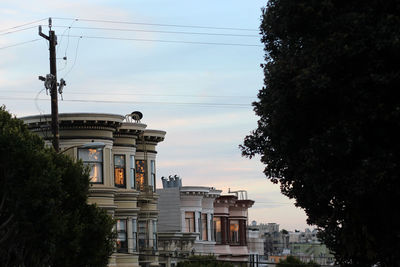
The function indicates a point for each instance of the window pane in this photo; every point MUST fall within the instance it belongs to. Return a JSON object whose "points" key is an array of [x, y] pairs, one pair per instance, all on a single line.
{"points": [[119, 160], [189, 222], [91, 154], [204, 228], [152, 181], [119, 170], [142, 234], [140, 174], [234, 231], [134, 234], [140, 166], [119, 175], [122, 243], [94, 159], [155, 234], [96, 172], [132, 172], [217, 229]]}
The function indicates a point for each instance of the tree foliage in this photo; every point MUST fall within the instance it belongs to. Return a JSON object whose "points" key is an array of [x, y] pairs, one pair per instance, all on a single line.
{"points": [[329, 120], [44, 216], [291, 261], [203, 261]]}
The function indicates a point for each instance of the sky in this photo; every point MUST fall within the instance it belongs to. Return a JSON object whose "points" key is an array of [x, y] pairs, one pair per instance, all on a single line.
{"points": [[191, 67]]}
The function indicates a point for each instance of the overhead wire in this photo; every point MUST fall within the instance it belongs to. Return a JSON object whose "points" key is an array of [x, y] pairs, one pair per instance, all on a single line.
{"points": [[67, 46], [21, 25], [198, 104], [21, 43], [172, 32], [146, 94], [158, 24], [23, 29], [76, 55], [164, 41]]}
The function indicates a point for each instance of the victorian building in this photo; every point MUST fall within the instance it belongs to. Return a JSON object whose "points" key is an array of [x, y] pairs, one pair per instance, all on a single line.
{"points": [[121, 153], [185, 220], [230, 227]]}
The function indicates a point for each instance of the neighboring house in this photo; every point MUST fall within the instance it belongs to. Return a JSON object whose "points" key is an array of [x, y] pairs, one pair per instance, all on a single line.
{"points": [[230, 227], [123, 175], [185, 220]]}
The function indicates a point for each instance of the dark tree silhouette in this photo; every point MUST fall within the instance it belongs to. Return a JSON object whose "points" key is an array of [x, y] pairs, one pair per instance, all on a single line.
{"points": [[329, 120], [44, 216]]}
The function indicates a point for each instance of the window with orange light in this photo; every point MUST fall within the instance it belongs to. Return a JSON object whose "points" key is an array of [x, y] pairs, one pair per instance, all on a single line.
{"points": [[140, 174], [234, 231], [119, 171], [93, 157]]}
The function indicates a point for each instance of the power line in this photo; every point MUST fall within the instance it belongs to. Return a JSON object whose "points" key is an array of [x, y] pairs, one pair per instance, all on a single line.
{"points": [[158, 24], [143, 94], [76, 55], [18, 26], [23, 29], [163, 41], [22, 43], [199, 104], [173, 32]]}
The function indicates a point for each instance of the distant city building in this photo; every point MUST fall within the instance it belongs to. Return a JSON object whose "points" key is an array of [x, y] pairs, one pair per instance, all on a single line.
{"points": [[255, 244], [121, 153], [303, 245]]}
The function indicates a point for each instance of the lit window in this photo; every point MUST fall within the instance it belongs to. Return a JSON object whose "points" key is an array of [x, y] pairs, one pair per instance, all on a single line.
{"points": [[132, 172], [122, 244], [119, 170], [204, 228], [140, 174], [217, 230], [234, 231], [189, 222], [94, 158], [134, 234], [152, 181]]}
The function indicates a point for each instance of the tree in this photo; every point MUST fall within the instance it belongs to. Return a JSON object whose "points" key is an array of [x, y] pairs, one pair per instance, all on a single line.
{"points": [[291, 261], [203, 261], [329, 120], [44, 216]]}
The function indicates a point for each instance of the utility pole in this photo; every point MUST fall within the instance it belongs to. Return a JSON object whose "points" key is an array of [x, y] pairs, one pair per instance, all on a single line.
{"points": [[51, 84]]}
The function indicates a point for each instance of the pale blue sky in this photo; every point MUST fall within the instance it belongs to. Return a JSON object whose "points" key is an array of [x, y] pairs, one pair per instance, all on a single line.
{"points": [[160, 79]]}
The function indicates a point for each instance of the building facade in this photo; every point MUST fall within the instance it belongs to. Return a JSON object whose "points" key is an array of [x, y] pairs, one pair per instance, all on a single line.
{"points": [[185, 220], [121, 153], [230, 228]]}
